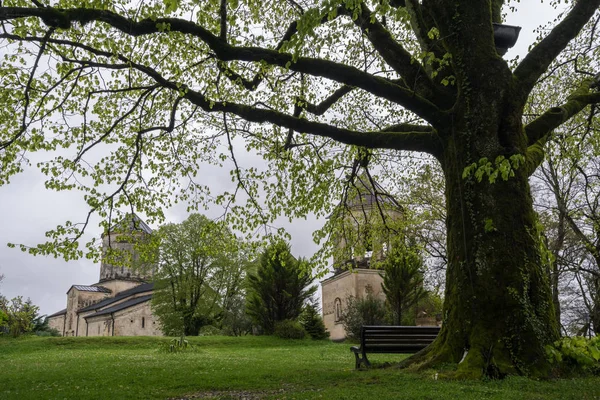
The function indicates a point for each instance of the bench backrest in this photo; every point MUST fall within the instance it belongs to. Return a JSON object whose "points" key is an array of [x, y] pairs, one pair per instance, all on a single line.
{"points": [[397, 339]]}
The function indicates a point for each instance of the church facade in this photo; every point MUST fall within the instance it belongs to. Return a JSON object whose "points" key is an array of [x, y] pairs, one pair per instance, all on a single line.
{"points": [[120, 303]]}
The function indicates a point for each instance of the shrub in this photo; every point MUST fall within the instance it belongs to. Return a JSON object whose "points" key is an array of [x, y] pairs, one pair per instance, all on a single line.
{"points": [[576, 354], [288, 329], [209, 330], [49, 332], [312, 323], [359, 312]]}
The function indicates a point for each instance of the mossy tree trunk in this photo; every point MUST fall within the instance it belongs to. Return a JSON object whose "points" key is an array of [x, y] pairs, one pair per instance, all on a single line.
{"points": [[498, 310]]}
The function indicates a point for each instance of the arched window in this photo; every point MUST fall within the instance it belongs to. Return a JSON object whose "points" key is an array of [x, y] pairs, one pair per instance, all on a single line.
{"points": [[338, 309]]}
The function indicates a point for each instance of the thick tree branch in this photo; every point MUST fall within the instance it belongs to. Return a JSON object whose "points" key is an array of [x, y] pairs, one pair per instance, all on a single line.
{"points": [[223, 22], [411, 71], [419, 140], [331, 70], [554, 117], [541, 56]]}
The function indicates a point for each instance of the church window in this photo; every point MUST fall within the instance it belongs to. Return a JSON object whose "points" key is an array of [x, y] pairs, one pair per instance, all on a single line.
{"points": [[98, 329], [338, 309], [143, 322]]}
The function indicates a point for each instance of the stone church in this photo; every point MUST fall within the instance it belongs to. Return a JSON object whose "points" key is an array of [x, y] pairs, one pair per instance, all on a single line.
{"points": [[120, 303], [355, 275]]}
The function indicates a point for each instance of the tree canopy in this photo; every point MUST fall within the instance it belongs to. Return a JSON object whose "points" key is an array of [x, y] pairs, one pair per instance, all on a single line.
{"points": [[200, 274], [132, 98]]}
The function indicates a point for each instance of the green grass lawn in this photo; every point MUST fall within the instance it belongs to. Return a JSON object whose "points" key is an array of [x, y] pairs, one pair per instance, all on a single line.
{"points": [[234, 368]]}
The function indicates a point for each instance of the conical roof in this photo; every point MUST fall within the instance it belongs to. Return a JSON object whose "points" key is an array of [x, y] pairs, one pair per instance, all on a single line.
{"points": [[369, 193], [130, 223]]}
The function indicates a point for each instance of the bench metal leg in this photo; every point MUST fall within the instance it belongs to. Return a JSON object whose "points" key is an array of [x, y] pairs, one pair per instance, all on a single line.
{"points": [[361, 359]]}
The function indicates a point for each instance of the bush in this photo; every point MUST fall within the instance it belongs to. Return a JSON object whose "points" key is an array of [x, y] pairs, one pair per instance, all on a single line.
{"points": [[359, 312], [312, 323], [576, 355], [209, 330], [49, 332], [288, 329]]}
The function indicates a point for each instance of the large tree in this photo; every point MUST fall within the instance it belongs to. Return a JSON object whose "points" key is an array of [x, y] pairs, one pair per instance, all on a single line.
{"points": [[136, 95], [200, 271]]}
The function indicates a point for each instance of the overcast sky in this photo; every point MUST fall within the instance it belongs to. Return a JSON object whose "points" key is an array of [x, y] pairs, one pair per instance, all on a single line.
{"points": [[27, 211]]}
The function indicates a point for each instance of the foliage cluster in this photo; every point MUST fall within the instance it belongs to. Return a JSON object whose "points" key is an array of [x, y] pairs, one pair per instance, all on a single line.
{"points": [[368, 310], [203, 286], [576, 354], [18, 316], [200, 277]]}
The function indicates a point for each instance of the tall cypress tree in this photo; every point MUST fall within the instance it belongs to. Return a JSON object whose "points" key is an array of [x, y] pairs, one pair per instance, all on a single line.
{"points": [[279, 288]]}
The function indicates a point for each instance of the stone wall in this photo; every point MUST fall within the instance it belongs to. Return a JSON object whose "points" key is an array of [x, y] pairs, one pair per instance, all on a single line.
{"points": [[133, 321], [58, 323], [337, 289], [137, 321], [99, 326], [77, 299]]}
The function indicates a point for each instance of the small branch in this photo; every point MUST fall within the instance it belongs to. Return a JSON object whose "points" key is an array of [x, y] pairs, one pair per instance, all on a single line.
{"points": [[321, 108], [24, 125]]}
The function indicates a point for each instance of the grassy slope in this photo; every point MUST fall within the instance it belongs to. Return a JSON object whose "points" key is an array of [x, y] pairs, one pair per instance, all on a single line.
{"points": [[224, 367]]}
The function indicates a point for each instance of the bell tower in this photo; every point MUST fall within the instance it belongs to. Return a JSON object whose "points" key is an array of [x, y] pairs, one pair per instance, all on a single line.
{"points": [[359, 248], [121, 238]]}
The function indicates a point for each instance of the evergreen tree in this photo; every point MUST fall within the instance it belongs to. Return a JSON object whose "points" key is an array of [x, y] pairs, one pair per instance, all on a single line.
{"points": [[279, 288], [312, 322]]}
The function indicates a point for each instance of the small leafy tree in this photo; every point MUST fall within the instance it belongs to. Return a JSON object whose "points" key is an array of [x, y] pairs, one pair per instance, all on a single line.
{"points": [[19, 315], [279, 288], [402, 281]]}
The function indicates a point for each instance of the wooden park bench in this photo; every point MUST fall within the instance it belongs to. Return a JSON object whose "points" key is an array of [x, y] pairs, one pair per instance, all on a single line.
{"points": [[392, 339]]}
